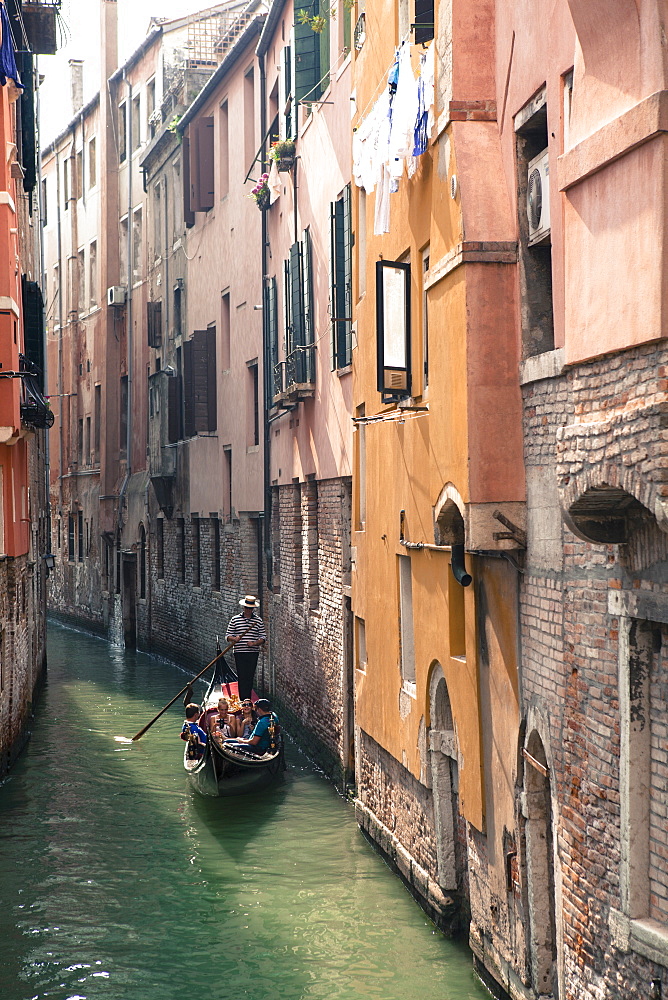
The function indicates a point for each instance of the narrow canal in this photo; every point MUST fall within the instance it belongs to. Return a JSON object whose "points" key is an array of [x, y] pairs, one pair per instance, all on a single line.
{"points": [[118, 882]]}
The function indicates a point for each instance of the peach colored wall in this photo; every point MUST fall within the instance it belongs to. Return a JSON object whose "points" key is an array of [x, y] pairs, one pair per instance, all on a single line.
{"points": [[224, 249], [316, 438]]}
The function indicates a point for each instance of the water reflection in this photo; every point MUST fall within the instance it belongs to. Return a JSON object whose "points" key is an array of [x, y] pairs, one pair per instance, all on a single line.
{"points": [[119, 882]]}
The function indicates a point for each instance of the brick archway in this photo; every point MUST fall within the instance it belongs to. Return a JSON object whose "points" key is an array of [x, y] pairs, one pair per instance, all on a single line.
{"points": [[600, 502]]}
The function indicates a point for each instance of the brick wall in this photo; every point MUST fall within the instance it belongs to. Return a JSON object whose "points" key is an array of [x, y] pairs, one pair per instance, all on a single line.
{"points": [[600, 423], [308, 648]]}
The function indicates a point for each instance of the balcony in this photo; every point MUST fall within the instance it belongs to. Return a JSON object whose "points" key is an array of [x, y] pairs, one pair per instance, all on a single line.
{"points": [[294, 378]]}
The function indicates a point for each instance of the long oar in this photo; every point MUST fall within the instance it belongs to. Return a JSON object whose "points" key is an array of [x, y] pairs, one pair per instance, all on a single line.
{"points": [[138, 736]]}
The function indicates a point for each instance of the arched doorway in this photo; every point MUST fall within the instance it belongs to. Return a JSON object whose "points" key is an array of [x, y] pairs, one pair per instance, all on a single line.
{"points": [[540, 867], [443, 754]]}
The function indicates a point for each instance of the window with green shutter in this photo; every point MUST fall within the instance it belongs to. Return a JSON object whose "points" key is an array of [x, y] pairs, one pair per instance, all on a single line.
{"points": [[341, 279], [311, 55]]}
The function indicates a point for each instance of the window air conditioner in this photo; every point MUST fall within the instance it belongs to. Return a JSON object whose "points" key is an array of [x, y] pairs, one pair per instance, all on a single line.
{"points": [[116, 295], [538, 197]]}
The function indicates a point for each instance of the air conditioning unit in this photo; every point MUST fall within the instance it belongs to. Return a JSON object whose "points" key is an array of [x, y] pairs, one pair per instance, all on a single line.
{"points": [[538, 197], [116, 295]]}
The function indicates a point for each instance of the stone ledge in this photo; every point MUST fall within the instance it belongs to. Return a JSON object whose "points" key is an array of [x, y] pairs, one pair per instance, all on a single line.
{"points": [[542, 366], [645, 937], [645, 605]]}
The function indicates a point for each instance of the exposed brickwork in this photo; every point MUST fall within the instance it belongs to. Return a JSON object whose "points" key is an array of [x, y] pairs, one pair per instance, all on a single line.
{"points": [[308, 614], [601, 423]]}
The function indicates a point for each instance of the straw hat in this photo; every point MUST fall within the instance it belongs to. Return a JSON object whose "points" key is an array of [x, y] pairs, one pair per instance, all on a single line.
{"points": [[249, 601]]}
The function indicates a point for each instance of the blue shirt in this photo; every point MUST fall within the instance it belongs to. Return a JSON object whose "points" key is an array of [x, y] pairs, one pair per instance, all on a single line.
{"points": [[195, 730], [262, 730]]}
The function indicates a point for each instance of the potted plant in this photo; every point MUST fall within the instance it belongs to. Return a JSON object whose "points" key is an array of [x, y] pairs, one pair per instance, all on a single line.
{"points": [[260, 193], [283, 151]]}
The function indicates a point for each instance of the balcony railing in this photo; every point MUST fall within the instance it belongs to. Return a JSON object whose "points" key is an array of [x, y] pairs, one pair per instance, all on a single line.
{"points": [[294, 378]]}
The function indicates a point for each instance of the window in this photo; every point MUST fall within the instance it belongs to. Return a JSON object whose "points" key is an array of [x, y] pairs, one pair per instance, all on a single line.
{"points": [[137, 246], [150, 108], [424, 21], [228, 509], [360, 241], [56, 295], [298, 300], [136, 122], [44, 213], [81, 276], [123, 418], [92, 275], [535, 249], [181, 527], [123, 248], [344, 15], [142, 562], [360, 643], [270, 319], [92, 162], [425, 322], [311, 52], [80, 533], [199, 382], [160, 548], [249, 118], [201, 150], [360, 440], [157, 220], [215, 552], [285, 126], [197, 551], [79, 179], [154, 323], [70, 537], [406, 621], [393, 329], [178, 310], [567, 81], [98, 420], [80, 441], [225, 331], [66, 183], [122, 132], [254, 405], [224, 143], [341, 268], [87, 442]]}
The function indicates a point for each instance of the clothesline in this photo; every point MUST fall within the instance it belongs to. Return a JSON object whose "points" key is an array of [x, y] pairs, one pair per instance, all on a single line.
{"points": [[382, 82]]}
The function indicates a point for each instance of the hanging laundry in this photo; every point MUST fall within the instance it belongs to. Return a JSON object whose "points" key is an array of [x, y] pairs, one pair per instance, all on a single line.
{"points": [[425, 118], [8, 70], [404, 113], [381, 222], [274, 182]]}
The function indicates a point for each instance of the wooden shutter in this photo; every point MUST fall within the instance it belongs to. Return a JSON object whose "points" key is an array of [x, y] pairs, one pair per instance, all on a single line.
{"points": [[211, 388], [33, 325], [287, 307], [200, 379], [424, 21], [340, 300], [173, 409], [347, 297], [188, 389], [271, 314], [307, 284], [297, 295], [154, 323], [307, 53], [202, 165], [332, 280], [188, 214]]}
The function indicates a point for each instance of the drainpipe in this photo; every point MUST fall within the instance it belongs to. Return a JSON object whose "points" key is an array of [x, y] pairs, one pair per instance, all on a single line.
{"points": [[59, 239], [128, 313], [267, 380]]}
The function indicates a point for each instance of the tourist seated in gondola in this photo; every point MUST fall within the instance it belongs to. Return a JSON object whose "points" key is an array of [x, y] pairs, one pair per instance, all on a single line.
{"points": [[246, 722], [265, 733], [192, 733], [222, 724]]}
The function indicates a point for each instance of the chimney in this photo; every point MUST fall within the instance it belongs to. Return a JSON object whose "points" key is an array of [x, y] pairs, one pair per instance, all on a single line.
{"points": [[76, 84]]}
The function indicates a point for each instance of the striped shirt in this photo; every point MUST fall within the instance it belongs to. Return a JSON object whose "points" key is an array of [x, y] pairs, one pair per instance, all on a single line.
{"points": [[239, 624]]}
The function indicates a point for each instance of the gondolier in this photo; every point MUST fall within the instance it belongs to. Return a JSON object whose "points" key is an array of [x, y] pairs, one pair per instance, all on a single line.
{"points": [[246, 647]]}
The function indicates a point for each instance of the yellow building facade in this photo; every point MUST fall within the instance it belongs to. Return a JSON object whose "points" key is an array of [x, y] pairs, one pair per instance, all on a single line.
{"points": [[438, 485]]}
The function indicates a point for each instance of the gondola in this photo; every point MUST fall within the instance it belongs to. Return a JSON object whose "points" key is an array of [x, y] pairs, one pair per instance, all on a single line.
{"points": [[226, 768]]}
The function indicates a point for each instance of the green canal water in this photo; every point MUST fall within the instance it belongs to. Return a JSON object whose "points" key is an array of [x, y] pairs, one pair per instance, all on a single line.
{"points": [[117, 882]]}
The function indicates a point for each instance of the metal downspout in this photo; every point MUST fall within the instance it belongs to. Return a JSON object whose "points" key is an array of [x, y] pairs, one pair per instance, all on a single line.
{"points": [[128, 315]]}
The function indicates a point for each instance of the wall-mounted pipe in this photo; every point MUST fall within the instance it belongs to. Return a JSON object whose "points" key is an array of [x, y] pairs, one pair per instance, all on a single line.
{"points": [[458, 566]]}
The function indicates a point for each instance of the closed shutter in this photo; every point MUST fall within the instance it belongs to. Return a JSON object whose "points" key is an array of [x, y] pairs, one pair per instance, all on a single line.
{"points": [[188, 214], [173, 409], [347, 297], [332, 280], [297, 296], [424, 21], [211, 393], [33, 326], [202, 165], [287, 304], [200, 378], [309, 331], [307, 53], [271, 314], [188, 390], [154, 323], [340, 301]]}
